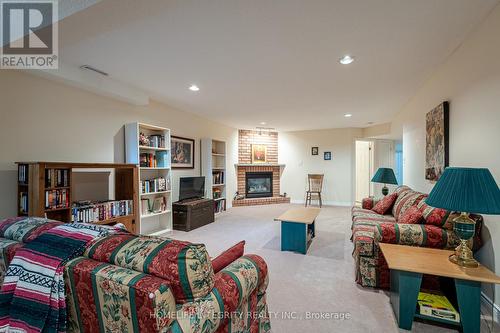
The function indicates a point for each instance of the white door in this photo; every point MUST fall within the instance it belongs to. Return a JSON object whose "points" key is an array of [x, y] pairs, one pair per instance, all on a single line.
{"points": [[364, 169]]}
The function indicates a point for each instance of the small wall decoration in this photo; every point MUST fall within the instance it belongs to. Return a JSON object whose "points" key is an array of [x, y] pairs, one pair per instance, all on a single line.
{"points": [[314, 151], [327, 155], [436, 141], [182, 153], [259, 154]]}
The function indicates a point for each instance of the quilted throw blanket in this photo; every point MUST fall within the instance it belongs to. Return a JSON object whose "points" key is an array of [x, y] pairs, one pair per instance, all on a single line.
{"points": [[32, 298]]}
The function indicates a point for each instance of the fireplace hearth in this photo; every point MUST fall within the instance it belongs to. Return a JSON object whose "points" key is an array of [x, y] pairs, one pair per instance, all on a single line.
{"points": [[258, 184]]}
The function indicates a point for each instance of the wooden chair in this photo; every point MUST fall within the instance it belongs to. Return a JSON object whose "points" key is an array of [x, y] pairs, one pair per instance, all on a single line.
{"points": [[315, 186]]}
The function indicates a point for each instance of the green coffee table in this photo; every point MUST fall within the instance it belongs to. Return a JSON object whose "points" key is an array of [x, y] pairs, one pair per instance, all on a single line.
{"points": [[298, 228], [409, 263]]}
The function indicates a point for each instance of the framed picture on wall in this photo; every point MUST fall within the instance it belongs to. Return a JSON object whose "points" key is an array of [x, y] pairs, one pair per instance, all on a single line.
{"points": [[314, 151], [327, 155], [259, 154], [436, 141], [182, 153]]}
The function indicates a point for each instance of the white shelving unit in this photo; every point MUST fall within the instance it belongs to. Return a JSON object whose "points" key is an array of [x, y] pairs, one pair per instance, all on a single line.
{"points": [[213, 167], [151, 222]]}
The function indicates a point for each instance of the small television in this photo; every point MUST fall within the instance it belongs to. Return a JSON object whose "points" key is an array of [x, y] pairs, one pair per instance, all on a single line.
{"points": [[191, 188]]}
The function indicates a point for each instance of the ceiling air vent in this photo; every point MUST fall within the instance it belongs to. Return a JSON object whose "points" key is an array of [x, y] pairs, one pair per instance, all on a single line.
{"points": [[93, 69]]}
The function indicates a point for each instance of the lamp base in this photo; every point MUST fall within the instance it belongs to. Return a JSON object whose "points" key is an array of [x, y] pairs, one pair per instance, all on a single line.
{"points": [[471, 262], [385, 190], [464, 228]]}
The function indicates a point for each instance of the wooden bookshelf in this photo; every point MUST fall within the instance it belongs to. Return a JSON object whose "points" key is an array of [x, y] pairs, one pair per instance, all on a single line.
{"points": [[33, 186], [213, 167], [157, 167]]}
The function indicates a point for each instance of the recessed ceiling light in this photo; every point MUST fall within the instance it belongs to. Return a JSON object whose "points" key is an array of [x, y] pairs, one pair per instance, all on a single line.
{"points": [[194, 87], [346, 60], [348, 115], [263, 123]]}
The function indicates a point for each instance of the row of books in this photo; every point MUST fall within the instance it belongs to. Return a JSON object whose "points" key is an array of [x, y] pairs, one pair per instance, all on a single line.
{"points": [[23, 173], [160, 159], [153, 206], [155, 185], [219, 206], [95, 211], [154, 140], [23, 202], [57, 199], [56, 177], [217, 177]]}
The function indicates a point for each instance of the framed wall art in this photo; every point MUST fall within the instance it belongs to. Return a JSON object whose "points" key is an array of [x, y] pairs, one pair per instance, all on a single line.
{"points": [[259, 154], [182, 153], [436, 141]]}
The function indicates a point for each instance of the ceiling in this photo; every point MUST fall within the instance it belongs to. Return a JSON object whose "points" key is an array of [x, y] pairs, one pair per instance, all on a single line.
{"points": [[273, 61]]}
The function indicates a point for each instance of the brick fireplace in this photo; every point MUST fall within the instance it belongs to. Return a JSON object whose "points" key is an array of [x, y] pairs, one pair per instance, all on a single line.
{"points": [[255, 172]]}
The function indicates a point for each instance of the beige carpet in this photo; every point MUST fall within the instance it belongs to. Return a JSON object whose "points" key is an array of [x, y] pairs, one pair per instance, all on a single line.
{"points": [[304, 287]]}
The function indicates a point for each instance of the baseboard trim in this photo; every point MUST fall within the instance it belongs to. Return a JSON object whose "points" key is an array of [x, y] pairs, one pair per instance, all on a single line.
{"points": [[488, 304], [326, 203]]}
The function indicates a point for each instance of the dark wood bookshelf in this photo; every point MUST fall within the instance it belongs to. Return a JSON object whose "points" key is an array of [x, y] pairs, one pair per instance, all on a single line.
{"points": [[126, 188]]}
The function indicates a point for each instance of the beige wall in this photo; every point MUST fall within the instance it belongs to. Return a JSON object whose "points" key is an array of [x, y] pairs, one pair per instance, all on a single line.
{"points": [[295, 151], [470, 80], [45, 120]]}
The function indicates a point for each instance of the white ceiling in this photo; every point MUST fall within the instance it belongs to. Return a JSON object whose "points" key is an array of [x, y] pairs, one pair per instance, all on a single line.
{"points": [[274, 61]]}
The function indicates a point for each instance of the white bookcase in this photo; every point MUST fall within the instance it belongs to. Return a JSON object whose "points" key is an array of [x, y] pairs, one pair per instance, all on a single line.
{"points": [[154, 219], [213, 167]]}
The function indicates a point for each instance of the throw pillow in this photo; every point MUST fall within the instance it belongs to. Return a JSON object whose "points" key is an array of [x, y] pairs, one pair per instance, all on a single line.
{"points": [[385, 204], [228, 256], [412, 215], [432, 215]]}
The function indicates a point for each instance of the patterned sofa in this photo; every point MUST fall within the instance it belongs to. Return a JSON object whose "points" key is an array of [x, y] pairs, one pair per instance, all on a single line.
{"points": [[369, 229], [129, 283]]}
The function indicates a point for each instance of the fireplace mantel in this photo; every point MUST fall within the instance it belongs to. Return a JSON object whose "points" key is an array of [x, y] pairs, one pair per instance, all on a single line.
{"points": [[259, 165]]}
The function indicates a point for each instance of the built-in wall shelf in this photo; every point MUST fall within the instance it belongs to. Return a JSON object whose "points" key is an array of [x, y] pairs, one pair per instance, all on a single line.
{"points": [[153, 148], [148, 146], [213, 167], [168, 211], [154, 193]]}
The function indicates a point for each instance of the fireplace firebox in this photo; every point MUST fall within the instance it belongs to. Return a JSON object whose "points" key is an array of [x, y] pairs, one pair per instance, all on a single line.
{"points": [[258, 184]]}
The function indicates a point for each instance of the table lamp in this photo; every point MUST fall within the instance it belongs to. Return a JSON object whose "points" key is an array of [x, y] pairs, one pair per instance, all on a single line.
{"points": [[465, 190], [385, 176]]}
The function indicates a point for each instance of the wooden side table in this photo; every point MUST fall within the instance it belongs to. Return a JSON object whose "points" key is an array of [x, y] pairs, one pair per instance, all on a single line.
{"points": [[297, 229], [409, 263]]}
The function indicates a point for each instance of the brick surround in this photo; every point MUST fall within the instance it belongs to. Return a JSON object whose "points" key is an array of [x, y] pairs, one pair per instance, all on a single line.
{"points": [[245, 140], [248, 137], [274, 169]]}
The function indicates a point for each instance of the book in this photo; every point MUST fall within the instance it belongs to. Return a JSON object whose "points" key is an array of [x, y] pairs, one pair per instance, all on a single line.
{"points": [[56, 177], [160, 184], [23, 202], [57, 199], [148, 160], [437, 306], [163, 159], [95, 211], [22, 173]]}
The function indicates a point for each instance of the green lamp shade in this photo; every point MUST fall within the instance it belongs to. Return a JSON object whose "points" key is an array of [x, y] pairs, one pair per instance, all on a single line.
{"points": [[470, 190], [385, 176]]}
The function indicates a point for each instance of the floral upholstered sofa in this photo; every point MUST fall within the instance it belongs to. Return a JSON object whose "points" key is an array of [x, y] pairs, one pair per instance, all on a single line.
{"points": [[431, 227], [130, 283]]}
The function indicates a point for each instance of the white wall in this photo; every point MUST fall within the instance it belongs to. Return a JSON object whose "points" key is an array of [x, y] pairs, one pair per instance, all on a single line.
{"points": [[46, 120], [294, 150], [470, 80]]}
